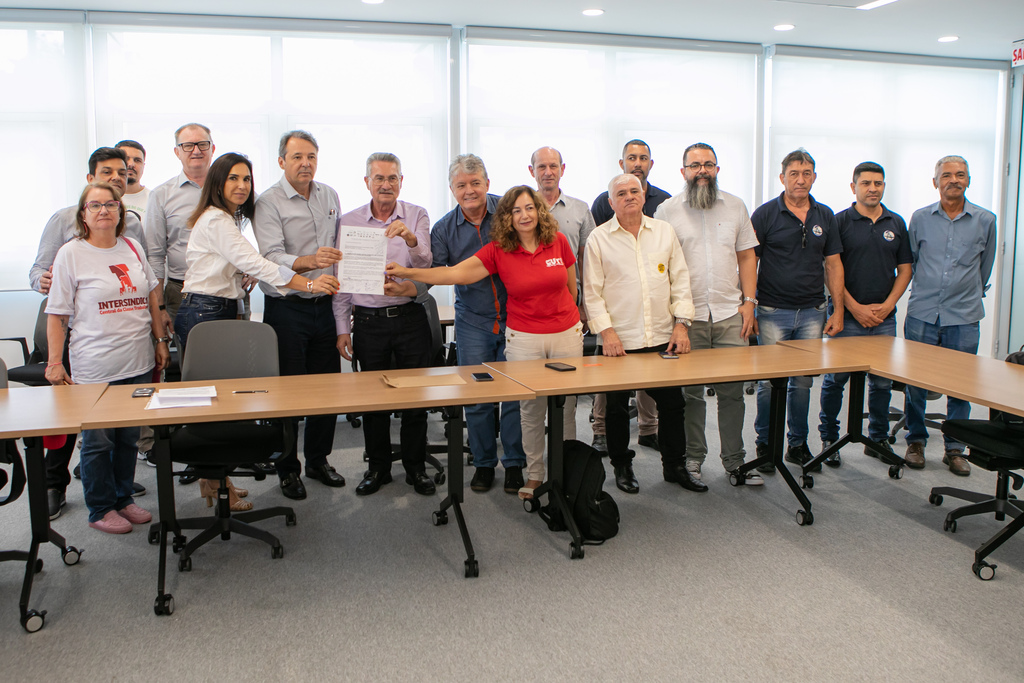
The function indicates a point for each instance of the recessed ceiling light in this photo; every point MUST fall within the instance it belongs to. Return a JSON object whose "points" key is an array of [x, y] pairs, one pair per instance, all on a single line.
{"points": [[785, 27], [949, 39], [593, 12], [372, 2], [876, 3]]}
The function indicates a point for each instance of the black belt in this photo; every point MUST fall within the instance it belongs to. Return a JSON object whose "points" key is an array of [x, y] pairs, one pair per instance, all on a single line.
{"points": [[180, 282], [388, 311], [302, 300]]}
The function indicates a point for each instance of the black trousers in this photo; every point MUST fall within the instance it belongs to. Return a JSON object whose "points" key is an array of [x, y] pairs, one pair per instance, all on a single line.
{"points": [[58, 460], [671, 434], [307, 345], [384, 343]]}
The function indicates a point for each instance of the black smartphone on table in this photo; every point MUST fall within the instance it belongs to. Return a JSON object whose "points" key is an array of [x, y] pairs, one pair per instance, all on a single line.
{"points": [[560, 367], [143, 392], [483, 377]]}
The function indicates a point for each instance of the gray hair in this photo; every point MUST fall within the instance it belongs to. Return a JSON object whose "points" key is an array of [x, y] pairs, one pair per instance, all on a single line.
{"points": [[951, 159], [470, 164], [796, 157], [383, 157], [620, 179], [301, 135], [178, 132]]}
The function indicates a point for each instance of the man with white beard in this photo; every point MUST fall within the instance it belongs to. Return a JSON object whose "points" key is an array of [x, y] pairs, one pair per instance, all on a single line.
{"points": [[718, 242]]}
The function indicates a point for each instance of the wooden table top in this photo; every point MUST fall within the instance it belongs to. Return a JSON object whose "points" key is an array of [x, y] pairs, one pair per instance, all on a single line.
{"points": [[597, 374], [305, 395], [44, 411], [986, 381]]}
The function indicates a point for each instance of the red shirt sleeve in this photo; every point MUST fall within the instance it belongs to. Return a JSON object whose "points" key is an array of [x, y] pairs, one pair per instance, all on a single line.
{"points": [[488, 255], [565, 249]]}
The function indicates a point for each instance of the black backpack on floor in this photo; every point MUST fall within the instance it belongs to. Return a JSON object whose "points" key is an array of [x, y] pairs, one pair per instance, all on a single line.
{"points": [[595, 512]]}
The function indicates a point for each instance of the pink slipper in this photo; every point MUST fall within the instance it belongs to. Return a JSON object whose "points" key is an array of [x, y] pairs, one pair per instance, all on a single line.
{"points": [[136, 515], [112, 523]]}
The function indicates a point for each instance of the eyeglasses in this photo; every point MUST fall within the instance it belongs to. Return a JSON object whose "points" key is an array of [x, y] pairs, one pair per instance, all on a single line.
{"points": [[189, 146], [94, 207], [390, 180], [707, 165]]}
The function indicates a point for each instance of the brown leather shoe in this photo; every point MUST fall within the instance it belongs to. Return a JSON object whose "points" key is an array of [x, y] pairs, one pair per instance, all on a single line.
{"points": [[914, 456], [957, 463]]}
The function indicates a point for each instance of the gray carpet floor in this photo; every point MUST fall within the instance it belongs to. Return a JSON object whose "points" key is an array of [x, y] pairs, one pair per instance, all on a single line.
{"points": [[716, 586]]}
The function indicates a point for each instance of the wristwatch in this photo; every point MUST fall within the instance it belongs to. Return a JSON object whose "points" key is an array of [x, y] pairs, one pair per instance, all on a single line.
{"points": [[165, 340], [750, 299], [683, 321]]}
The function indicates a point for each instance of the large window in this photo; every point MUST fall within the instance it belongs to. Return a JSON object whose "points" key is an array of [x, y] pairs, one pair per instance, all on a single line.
{"points": [[588, 100]]}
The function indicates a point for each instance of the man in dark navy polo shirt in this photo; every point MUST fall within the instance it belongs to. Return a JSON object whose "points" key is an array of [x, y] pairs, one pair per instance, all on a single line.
{"points": [[636, 159], [877, 268], [796, 234]]}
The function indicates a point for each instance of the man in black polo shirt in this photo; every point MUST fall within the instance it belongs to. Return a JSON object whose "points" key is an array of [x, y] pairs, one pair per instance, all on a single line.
{"points": [[636, 159], [877, 266], [795, 234]]}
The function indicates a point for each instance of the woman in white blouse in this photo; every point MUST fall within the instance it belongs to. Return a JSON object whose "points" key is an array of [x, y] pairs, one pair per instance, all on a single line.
{"points": [[219, 258]]}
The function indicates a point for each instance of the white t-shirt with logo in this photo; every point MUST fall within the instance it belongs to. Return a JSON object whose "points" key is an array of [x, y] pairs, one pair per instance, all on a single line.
{"points": [[107, 292], [137, 202]]}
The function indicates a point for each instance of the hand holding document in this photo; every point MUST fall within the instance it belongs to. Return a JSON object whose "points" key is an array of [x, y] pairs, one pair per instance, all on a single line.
{"points": [[187, 397], [362, 269]]}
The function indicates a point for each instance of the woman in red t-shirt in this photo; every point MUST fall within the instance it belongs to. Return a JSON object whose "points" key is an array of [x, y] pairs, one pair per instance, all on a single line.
{"points": [[537, 266]]}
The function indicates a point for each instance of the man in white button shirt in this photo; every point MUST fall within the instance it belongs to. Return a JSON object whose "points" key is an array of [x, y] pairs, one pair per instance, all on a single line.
{"points": [[637, 295], [718, 241]]}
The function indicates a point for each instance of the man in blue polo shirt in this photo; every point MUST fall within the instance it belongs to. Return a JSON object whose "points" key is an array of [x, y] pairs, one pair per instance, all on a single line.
{"points": [[479, 319], [795, 234], [876, 265], [954, 246]]}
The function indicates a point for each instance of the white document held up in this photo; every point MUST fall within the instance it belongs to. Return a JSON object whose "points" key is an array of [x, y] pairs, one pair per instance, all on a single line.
{"points": [[364, 255]]}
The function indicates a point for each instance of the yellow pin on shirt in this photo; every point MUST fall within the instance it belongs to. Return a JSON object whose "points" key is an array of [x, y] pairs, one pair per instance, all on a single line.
{"points": [[661, 267]]}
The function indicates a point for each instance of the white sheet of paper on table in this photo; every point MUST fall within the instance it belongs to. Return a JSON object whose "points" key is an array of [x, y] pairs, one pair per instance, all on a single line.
{"points": [[158, 401], [361, 270], [189, 392]]}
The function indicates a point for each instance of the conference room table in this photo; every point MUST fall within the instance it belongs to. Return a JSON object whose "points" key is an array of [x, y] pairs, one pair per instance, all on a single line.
{"points": [[601, 374], [30, 414], [300, 395]]}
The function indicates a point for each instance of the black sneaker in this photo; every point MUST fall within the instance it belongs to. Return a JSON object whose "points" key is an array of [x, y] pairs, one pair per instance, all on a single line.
{"points": [[77, 472], [883, 443], [55, 500], [649, 441], [800, 455], [513, 479], [482, 480], [138, 489], [761, 451], [833, 460]]}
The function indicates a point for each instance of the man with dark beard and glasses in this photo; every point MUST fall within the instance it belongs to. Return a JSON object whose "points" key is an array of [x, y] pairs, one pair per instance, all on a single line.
{"points": [[718, 242]]}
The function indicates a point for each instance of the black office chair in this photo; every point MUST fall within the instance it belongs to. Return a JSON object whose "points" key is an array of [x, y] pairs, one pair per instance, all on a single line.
{"points": [[223, 349], [33, 372], [997, 445], [10, 456], [899, 417]]}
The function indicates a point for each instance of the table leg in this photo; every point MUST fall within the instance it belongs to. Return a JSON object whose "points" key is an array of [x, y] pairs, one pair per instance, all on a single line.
{"points": [[161, 455], [454, 499], [553, 486]]}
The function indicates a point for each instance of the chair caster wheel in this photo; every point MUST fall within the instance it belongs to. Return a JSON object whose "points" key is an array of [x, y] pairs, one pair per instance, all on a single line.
{"points": [[185, 564], [440, 478], [289, 520], [356, 423], [807, 481], [531, 504], [71, 555], [891, 439], [749, 391], [163, 605], [804, 517], [33, 620], [711, 391], [39, 565], [178, 544], [895, 472], [949, 525], [439, 517], [277, 552], [737, 479], [575, 552], [984, 571], [935, 499], [154, 536], [472, 569]]}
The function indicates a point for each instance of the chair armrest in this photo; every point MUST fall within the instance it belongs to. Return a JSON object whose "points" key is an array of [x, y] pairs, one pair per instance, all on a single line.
{"points": [[24, 346]]}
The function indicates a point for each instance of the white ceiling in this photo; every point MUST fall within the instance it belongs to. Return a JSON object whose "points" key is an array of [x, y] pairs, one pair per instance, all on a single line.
{"points": [[986, 28]]}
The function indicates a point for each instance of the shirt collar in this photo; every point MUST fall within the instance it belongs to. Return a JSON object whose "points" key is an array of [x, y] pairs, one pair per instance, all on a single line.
{"points": [[857, 215], [616, 226], [183, 180], [967, 211], [492, 204], [366, 214], [782, 203], [290, 192]]}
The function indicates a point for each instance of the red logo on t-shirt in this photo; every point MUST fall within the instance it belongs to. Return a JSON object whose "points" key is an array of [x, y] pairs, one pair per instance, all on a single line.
{"points": [[552, 262], [121, 271]]}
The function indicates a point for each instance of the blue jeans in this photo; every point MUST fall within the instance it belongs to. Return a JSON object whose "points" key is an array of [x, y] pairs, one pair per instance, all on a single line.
{"points": [[784, 324], [879, 388], [108, 463], [201, 308], [957, 337], [477, 346]]}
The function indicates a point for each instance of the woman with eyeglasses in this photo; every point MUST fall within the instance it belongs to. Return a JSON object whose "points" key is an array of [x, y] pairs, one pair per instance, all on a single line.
{"points": [[222, 265], [102, 280]]}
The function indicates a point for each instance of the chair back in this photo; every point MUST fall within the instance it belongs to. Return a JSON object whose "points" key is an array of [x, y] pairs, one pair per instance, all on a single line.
{"points": [[434, 321], [230, 349], [3, 374], [40, 352]]}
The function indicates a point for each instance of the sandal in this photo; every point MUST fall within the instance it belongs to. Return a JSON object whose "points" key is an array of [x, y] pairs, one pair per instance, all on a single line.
{"points": [[526, 492]]}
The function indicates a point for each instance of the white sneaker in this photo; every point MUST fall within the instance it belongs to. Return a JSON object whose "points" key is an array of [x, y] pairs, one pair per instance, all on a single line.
{"points": [[144, 457], [693, 467], [751, 478]]}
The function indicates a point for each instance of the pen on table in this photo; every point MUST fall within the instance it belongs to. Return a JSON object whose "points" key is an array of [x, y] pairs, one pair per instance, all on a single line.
{"points": [[250, 391]]}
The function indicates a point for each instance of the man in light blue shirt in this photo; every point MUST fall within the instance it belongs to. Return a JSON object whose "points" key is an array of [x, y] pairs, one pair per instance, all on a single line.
{"points": [[954, 247]]}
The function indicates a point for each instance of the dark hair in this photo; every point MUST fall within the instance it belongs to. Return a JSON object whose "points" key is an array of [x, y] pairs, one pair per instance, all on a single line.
{"points": [[867, 167], [213, 189], [795, 157], [699, 145], [106, 154], [81, 229], [636, 141], [502, 231], [133, 145]]}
